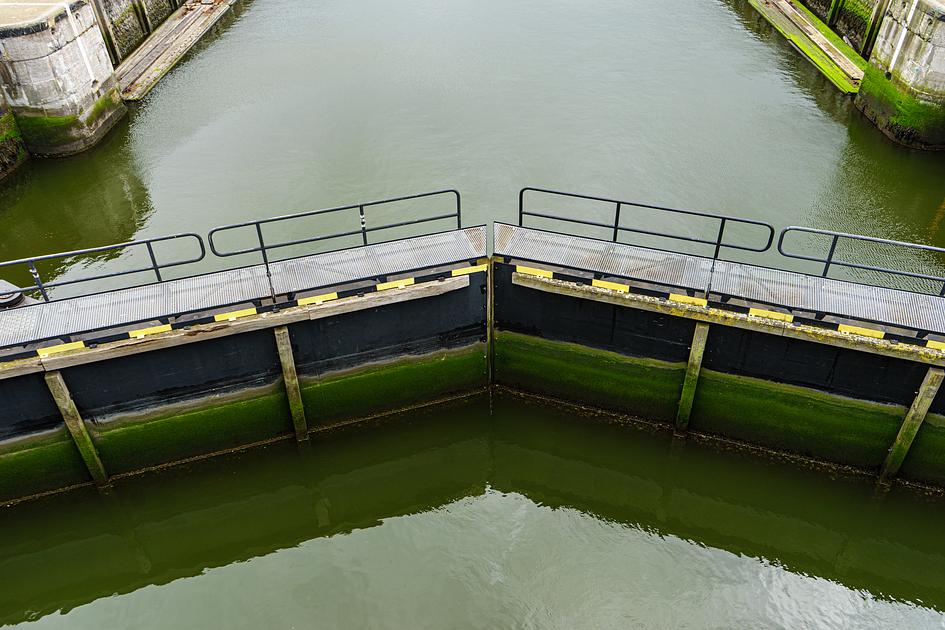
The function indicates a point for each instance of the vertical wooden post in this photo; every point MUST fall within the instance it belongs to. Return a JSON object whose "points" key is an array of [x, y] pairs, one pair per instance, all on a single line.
{"points": [[108, 33], [490, 321], [699, 339], [872, 31], [76, 425], [293, 391], [142, 10], [913, 421], [834, 12]]}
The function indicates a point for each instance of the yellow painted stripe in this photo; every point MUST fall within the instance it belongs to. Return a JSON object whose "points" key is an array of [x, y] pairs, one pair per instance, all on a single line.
{"points": [[144, 332], [395, 284], [760, 312], [857, 330], [936, 345], [685, 299], [532, 271], [64, 347], [465, 271], [318, 299], [229, 317], [613, 286], [482, 261]]}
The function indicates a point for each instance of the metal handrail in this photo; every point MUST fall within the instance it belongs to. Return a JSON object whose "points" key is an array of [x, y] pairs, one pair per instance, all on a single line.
{"points": [[265, 248], [831, 260], [148, 243], [719, 242]]}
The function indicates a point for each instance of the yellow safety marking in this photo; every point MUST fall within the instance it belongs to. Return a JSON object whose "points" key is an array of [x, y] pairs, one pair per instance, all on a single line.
{"points": [[685, 299], [144, 332], [760, 312], [395, 284], [936, 345], [465, 271], [63, 347], [318, 299], [482, 261], [857, 330], [229, 317], [532, 271], [613, 286]]}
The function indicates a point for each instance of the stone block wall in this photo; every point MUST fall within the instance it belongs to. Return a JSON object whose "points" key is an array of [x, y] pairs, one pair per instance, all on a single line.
{"points": [[158, 10], [59, 81], [853, 21], [12, 151], [125, 25], [904, 88]]}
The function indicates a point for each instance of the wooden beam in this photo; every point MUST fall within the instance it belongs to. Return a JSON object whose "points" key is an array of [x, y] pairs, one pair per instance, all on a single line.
{"points": [[291, 378], [76, 425], [913, 421], [699, 338]]}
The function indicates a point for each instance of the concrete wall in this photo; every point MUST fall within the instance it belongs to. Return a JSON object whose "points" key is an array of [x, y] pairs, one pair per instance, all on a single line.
{"points": [[904, 89], [59, 81]]}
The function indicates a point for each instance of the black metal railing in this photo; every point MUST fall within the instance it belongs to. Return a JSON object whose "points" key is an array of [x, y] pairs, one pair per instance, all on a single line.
{"points": [[155, 267], [361, 227], [616, 229], [831, 260]]}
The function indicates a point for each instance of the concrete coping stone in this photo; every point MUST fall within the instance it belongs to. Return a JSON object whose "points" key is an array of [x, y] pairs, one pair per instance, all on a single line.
{"points": [[22, 17]]}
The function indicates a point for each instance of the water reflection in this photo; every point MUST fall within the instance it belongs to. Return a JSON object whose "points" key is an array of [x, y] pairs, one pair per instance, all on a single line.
{"points": [[689, 521]]}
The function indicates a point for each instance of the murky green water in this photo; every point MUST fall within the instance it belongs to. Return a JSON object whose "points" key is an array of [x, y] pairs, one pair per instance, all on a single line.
{"points": [[302, 104], [525, 518], [454, 518]]}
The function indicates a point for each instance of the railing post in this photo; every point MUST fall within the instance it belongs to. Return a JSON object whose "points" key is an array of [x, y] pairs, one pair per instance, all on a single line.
{"points": [[617, 222], [363, 224], [718, 240], [265, 257], [39, 282], [154, 264], [829, 261]]}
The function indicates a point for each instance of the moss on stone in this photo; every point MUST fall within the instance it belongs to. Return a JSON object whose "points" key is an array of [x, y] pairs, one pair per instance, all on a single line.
{"points": [[393, 385], [796, 419], [899, 113], [106, 104], [206, 426], [637, 386], [48, 131], [38, 464]]}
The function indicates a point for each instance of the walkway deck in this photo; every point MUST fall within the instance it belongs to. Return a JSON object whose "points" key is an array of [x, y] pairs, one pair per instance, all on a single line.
{"points": [[798, 26], [44, 321], [793, 291], [164, 49]]}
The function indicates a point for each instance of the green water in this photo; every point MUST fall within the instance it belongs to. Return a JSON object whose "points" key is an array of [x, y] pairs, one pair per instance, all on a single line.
{"points": [[303, 104], [529, 517], [457, 518]]}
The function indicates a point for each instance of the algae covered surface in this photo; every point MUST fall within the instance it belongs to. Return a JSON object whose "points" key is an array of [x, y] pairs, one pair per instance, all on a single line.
{"points": [[392, 385], [36, 464], [643, 387]]}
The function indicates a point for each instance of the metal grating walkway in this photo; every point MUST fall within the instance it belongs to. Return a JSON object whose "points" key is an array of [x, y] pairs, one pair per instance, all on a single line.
{"points": [[225, 288], [756, 284]]}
